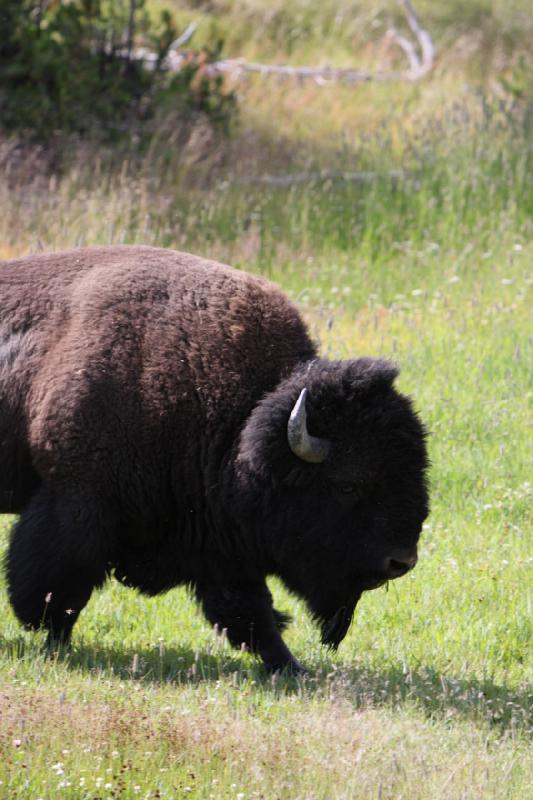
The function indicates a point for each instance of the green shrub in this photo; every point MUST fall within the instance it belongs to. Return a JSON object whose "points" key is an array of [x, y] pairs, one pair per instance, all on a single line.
{"points": [[73, 68]]}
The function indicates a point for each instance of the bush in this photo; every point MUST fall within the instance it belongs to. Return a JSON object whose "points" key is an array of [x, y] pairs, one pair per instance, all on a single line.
{"points": [[74, 68]]}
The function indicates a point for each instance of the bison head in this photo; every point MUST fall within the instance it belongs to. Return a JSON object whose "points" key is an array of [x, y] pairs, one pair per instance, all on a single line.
{"points": [[331, 476]]}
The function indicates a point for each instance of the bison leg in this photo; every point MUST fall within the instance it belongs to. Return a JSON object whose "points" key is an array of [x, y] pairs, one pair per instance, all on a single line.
{"points": [[54, 561], [245, 610]]}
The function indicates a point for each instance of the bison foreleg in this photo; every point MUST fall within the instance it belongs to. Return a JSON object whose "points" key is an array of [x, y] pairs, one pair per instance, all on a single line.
{"points": [[245, 610], [53, 563]]}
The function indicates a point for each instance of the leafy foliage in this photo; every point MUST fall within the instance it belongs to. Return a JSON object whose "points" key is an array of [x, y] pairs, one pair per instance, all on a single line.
{"points": [[75, 68]]}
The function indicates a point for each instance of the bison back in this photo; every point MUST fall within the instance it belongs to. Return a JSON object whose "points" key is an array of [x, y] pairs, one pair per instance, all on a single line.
{"points": [[122, 366]]}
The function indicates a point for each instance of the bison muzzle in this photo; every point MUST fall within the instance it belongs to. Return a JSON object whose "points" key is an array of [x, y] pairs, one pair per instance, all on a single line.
{"points": [[166, 419]]}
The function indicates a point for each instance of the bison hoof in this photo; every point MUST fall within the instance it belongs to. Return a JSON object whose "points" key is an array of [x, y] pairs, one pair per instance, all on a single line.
{"points": [[289, 668], [57, 643]]}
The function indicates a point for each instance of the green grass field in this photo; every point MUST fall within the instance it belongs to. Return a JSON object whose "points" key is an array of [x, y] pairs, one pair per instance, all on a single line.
{"points": [[430, 694]]}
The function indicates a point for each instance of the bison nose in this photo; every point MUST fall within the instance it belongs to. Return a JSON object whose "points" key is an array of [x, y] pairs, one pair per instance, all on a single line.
{"points": [[397, 565]]}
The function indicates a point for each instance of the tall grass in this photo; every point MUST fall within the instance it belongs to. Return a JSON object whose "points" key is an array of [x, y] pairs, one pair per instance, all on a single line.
{"points": [[463, 176]]}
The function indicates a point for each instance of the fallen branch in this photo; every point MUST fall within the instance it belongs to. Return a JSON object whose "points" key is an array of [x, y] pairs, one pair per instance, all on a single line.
{"points": [[419, 65], [322, 75], [420, 55], [323, 175], [185, 36]]}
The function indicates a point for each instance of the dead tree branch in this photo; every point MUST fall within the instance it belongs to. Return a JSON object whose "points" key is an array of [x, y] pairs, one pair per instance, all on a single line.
{"points": [[184, 37], [419, 64], [420, 55], [289, 179]]}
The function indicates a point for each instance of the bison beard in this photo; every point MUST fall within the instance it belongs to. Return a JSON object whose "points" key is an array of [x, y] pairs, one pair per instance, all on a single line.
{"points": [[166, 419]]}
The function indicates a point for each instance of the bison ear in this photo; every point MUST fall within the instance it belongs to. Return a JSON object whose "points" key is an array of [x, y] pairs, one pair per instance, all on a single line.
{"points": [[276, 428], [370, 373], [386, 371]]}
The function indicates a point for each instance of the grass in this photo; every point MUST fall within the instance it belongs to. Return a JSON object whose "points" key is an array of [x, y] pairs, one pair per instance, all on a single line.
{"points": [[428, 697], [430, 694]]}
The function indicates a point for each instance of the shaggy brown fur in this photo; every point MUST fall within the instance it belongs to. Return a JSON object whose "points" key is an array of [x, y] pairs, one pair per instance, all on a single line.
{"points": [[133, 440]]}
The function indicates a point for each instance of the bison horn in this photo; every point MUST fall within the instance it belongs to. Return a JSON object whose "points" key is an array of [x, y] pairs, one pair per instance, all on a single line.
{"points": [[308, 448]]}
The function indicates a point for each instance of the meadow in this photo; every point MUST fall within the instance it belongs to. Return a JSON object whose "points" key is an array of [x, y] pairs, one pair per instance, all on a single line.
{"points": [[426, 262]]}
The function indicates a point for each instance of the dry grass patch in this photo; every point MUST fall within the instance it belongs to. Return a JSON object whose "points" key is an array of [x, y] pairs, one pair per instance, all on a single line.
{"points": [[211, 741]]}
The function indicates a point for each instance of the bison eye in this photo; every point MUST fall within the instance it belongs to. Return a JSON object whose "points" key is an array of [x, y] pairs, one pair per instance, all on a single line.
{"points": [[346, 488]]}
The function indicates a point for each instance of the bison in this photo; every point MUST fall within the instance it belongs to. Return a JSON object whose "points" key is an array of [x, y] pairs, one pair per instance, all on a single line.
{"points": [[166, 419]]}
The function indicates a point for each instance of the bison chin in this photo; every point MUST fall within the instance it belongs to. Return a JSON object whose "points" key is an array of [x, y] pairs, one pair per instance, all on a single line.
{"points": [[335, 628]]}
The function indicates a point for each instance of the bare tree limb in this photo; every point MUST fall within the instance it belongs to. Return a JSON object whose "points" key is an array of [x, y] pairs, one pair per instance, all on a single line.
{"points": [[184, 37], [420, 63], [408, 48], [319, 74], [427, 48], [290, 179]]}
